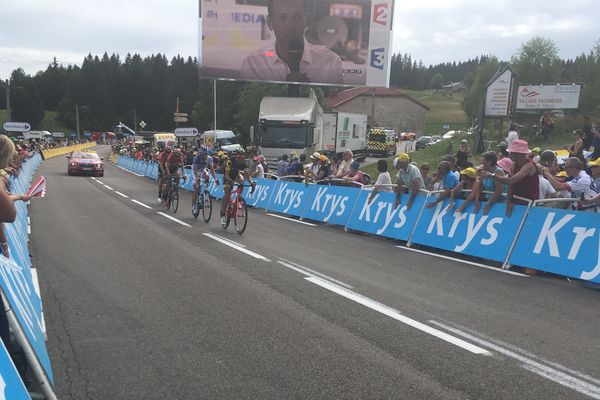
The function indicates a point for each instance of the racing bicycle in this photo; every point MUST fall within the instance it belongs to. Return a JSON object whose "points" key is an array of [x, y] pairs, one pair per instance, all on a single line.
{"points": [[172, 197], [203, 202], [236, 209]]}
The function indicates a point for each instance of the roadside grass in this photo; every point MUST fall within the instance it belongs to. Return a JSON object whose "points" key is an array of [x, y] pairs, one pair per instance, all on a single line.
{"points": [[445, 110]]}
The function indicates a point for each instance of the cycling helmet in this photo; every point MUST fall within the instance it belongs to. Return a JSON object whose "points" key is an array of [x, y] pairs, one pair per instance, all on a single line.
{"points": [[239, 151]]}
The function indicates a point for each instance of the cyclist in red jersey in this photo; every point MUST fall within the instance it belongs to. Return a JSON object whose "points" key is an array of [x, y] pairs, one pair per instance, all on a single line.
{"points": [[169, 162]]}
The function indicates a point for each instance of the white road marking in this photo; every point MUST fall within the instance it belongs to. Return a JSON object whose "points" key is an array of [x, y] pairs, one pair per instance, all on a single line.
{"points": [[174, 219], [236, 247], [93, 178], [141, 204], [290, 219], [395, 314], [126, 170], [504, 271], [29, 230], [108, 187], [100, 182], [121, 194], [536, 367], [229, 240], [309, 272]]}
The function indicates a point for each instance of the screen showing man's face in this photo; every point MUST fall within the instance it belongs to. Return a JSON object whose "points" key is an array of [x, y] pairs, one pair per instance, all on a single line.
{"points": [[288, 20]]}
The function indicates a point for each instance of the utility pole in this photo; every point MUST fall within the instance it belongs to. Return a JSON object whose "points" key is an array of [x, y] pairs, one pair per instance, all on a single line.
{"points": [[8, 110], [77, 120]]}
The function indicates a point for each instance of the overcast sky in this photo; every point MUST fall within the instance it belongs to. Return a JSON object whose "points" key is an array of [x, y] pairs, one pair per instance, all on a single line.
{"points": [[32, 32]]}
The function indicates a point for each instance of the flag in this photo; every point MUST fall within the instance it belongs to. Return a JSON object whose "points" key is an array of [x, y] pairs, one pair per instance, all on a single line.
{"points": [[38, 188]]}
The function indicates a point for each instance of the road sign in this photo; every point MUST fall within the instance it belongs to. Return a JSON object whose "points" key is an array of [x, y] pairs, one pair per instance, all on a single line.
{"points": [[446, 126], [186, 132], [16, 127], [184, 115], [180, 119], [142, 124]]}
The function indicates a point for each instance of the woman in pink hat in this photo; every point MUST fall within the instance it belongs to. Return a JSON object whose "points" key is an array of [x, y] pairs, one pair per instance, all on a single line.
{"points": [[524, 181]]}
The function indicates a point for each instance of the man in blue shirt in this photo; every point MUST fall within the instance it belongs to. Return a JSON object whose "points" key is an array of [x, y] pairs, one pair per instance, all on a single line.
{"points": [[449, 182]]}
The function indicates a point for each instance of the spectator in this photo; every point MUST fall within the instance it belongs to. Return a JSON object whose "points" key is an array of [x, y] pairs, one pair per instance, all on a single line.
{"points": [[463, 154], [355, 175], [468, 178], [452, 161], [588, 133], [427, 180], [546, 189], [576, 149], [324, 168], [502, 150], [548, 159], [344, 167], [580, 186], [535, 155], [513, 135], [486, 184], [449, 182], [546, 124], [596, 141], [282, 165], [523, 181], [311, 170], [335, 164], [409, 178], [259, 167], [595, 169], [384, 181]]}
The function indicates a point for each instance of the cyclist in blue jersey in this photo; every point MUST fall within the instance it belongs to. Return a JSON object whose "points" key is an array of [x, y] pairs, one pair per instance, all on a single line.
{"points": [[201, 167]]}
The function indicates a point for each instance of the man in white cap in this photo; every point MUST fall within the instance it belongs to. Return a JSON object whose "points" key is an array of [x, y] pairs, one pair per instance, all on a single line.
{"points": [[312, 169]]}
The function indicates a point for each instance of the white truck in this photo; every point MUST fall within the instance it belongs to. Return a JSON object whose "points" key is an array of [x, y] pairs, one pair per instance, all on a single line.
{"points": [[299, 124]]}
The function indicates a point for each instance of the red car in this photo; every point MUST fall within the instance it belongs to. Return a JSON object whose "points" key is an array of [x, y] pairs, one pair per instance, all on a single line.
{"points": [[85, 164]]}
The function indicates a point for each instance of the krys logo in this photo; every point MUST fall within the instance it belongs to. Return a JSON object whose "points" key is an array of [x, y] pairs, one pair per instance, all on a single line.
{"points": [[288, 198], [260, 194], [528, 94], [378, 212], [474, 226], [329, 203]]}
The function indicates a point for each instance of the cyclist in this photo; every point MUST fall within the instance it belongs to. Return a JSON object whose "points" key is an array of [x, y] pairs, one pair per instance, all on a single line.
{"points": [[169, 162], [202, 165], [234, 169]]}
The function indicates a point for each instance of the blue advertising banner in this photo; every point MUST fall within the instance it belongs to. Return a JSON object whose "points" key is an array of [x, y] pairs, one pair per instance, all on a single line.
{"points": [[488, 236], [11, 385], [563, 242], [290, 198], [331, 204], [17, 285], [262, 193], [380, 217]]}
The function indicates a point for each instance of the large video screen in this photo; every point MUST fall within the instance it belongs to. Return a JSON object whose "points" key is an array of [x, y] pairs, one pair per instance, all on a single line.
{"points": [[321, 42]]}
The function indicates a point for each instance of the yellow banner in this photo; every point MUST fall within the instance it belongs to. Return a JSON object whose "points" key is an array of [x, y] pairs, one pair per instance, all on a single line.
{"points": [[50, 153]]}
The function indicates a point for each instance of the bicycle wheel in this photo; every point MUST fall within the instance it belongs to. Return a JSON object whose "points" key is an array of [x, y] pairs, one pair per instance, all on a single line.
{"points": [[196, 207], [227, 217], [241, 216], [175, 200], [207, 206]]}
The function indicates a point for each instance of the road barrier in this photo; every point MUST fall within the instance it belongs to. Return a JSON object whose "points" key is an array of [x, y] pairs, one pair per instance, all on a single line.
{"points": [[22, 301], [59, 151], [563, 242]]}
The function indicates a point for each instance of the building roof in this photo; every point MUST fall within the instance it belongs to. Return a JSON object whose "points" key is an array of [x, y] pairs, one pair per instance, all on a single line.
{"points": [[339, 98]]}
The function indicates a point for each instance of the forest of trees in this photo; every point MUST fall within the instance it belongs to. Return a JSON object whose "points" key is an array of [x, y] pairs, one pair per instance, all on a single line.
{"points": [[109, 89]]}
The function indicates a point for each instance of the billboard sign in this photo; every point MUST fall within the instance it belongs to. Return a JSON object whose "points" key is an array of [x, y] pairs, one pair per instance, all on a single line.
{"points": [[549, 97], [499, 97], [323, 42]]}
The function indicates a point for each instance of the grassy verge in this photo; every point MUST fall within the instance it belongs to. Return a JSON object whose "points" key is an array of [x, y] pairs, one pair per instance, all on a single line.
{"points": [[445, 110]]}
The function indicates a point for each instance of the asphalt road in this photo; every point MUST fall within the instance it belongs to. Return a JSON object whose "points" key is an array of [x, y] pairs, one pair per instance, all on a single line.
{"points": [[139, 306]]}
